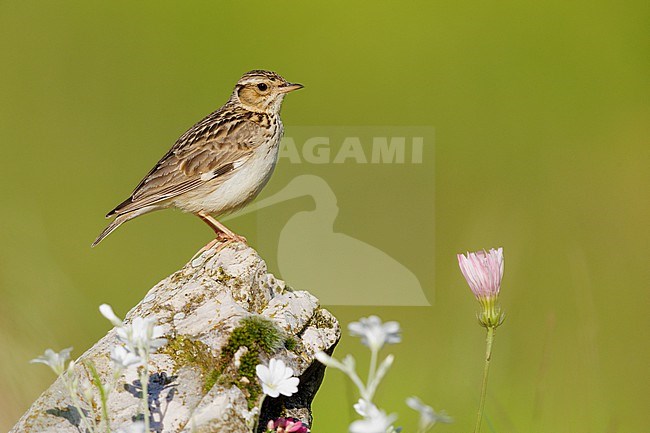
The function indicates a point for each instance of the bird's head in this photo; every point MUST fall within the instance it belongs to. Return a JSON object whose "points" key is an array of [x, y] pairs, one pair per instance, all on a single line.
{"points": [[262, 91]]}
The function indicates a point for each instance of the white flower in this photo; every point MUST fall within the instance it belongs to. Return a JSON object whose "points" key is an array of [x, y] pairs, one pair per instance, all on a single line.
{"points": [[428, 417], [277, 379], [141, 336], [107, 311], [348, 362], [374, 333], [347, 365], [123, 358], [73, 379], [376, 421], [324, 359], [365, 408], [71, 366], [56, 361]]}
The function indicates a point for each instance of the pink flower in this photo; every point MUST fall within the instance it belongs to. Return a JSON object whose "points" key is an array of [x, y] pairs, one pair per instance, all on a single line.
{"points": [[483, 272], [286, 425]]}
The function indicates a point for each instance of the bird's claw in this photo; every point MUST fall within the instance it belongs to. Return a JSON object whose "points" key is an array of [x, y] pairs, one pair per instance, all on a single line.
{"points": [[230, 237]]}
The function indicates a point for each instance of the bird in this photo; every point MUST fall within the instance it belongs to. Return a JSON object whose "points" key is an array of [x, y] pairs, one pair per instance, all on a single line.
{"points": [[221, 163]]}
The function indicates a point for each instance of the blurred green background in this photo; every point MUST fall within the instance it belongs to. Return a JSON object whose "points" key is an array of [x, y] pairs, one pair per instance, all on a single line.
{"points": [[541, 112]]}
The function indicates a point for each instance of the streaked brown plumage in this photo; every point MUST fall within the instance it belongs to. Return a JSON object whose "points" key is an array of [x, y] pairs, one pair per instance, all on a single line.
{"points": [[221, 163]]}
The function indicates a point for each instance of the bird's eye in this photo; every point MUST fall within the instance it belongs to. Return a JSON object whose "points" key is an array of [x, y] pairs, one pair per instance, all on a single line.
{"points": [[262, 86]]}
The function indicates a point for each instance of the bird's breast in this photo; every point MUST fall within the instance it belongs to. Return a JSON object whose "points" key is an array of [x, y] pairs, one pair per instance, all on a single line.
{"points": [[240, 186]]}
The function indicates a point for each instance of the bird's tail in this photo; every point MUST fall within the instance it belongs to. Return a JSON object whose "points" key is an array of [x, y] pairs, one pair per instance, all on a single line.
{"points": [[121, 219], [112, 226]]}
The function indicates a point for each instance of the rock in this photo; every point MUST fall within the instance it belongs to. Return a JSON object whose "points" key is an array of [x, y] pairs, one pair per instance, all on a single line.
{"points": [[222, 313]]}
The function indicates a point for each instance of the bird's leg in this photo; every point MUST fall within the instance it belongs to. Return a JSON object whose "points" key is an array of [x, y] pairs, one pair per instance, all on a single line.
{"points": [[223, 233]]}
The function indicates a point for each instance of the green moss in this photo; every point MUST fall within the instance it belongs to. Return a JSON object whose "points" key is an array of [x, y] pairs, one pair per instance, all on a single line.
{"points": [[256, 334], [185, 351], [247, 364], [211, 379], [290, 343]]}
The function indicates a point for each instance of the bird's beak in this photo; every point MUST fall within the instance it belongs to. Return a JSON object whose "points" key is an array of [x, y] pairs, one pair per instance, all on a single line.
{"points": [[290, 87]]}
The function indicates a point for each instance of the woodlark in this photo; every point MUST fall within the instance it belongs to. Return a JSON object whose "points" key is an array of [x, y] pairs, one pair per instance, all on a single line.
{"points": [[221, 163]]}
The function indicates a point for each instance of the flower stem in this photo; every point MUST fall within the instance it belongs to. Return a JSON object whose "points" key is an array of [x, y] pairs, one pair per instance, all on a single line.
{"points": [[257, 421], [103, 394], [488, 355], [373, 369], [107, 419], [144, 381], [82, 416], [76, 403], [363, 389]]}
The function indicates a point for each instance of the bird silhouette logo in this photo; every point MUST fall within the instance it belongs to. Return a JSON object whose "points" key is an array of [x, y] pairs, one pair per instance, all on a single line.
{"points": [[337, 268]]}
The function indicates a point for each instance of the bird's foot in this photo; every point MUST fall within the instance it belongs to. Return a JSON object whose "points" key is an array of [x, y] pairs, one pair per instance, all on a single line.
{"points": [[230, 237], [222, 239]]}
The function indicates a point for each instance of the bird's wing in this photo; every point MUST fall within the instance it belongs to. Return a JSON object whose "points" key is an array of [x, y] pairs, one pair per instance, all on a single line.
{"points": [[211, 149]]}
